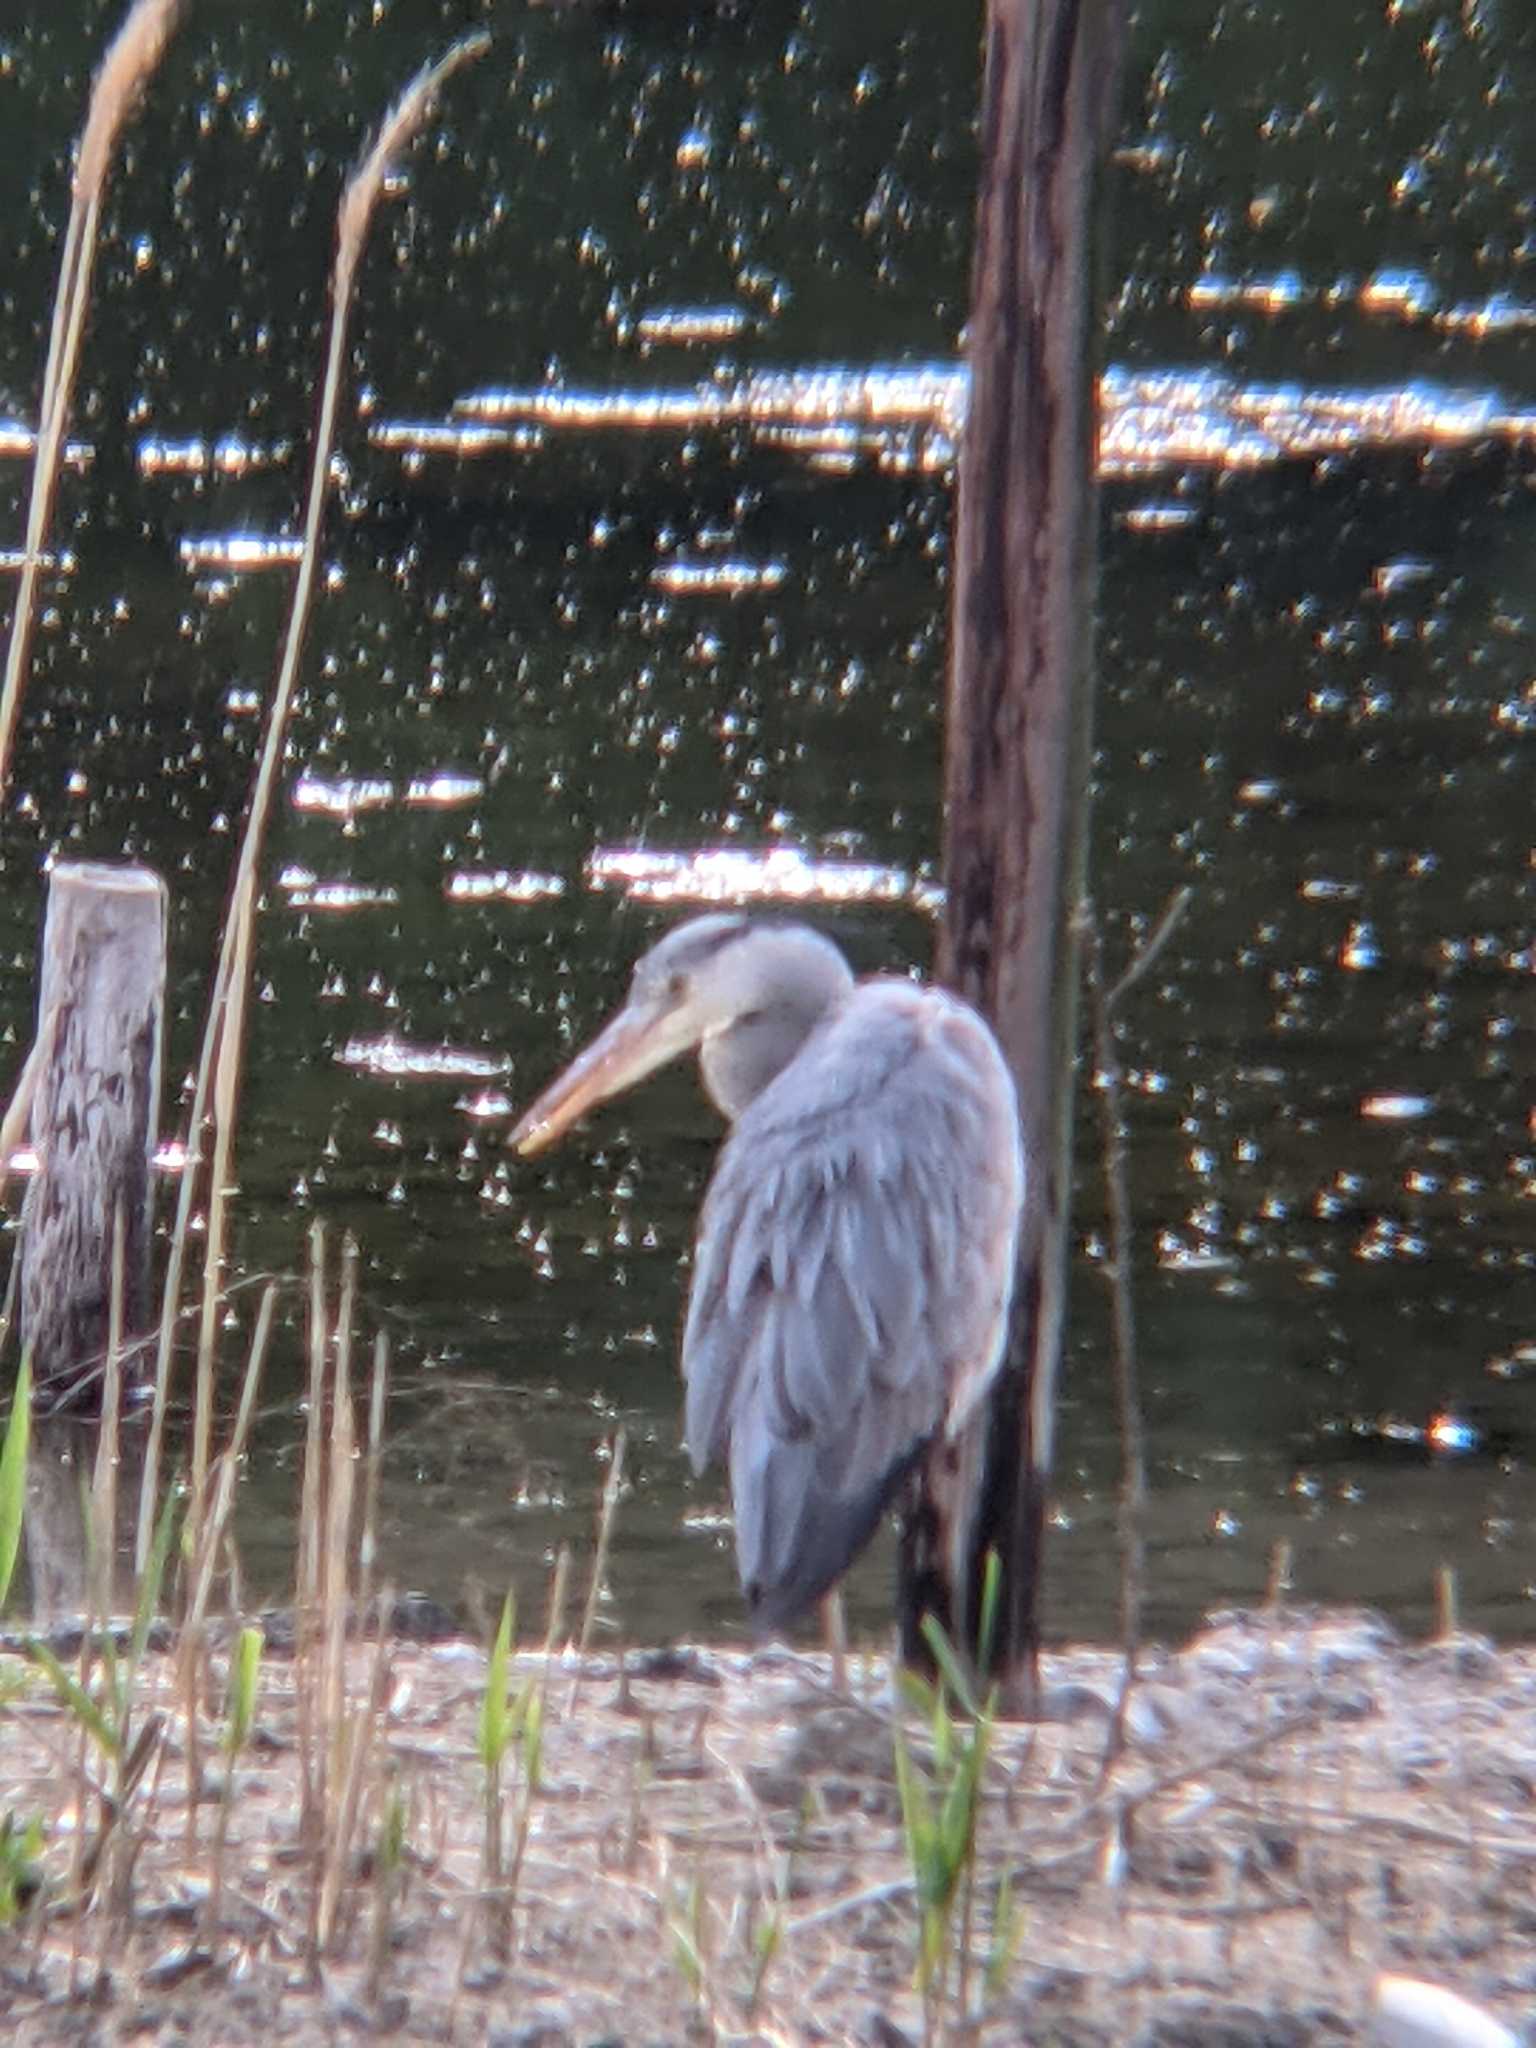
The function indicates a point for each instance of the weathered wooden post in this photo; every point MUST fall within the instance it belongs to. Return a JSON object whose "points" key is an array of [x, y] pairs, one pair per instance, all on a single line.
{"points": [[95, 1111], [1018, 742]]}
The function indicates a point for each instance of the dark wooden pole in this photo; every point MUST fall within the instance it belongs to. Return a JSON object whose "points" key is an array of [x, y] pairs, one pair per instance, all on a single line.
{"points": [[1018, 744], [95, 1112]]}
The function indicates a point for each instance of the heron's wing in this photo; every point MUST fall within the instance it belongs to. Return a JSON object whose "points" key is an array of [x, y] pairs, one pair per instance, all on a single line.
{"points": [[852, 1277]]}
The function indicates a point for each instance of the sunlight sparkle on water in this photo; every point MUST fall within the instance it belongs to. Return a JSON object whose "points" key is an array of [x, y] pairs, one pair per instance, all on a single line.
{"points": [[505, 884], [239, 551], [19, 441], [397, 1059], [690, 326], [717, 579], [339, 895], [1396, 1109], [14, 559], [170, 1157], [909, 416], [442, 790], [732, 875], [488, 1104], [226, 456], [1410, 296]]}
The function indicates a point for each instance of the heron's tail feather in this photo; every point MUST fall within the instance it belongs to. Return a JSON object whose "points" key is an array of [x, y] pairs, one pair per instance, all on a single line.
{"points": [[796, 1533]]}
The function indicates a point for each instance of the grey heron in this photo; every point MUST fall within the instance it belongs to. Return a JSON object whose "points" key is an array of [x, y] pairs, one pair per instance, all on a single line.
{"points": [[855, 1251]]}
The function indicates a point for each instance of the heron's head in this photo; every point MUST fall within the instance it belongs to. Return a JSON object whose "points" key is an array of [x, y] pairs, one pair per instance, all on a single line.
{"points": [[712, 980]]}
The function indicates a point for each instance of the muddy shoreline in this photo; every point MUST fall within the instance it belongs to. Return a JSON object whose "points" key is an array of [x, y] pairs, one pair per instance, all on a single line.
{"points": [[1305, 1800]]}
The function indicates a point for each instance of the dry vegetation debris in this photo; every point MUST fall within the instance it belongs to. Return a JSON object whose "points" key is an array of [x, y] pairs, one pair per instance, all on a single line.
{"points": [[714, 1852]]}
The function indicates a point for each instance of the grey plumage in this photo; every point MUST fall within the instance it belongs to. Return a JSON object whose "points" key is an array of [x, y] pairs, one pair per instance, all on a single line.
{"points": [[856, 1246]]}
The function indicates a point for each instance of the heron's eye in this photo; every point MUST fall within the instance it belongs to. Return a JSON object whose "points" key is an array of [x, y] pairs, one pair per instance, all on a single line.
{"points": [[677, 986]]}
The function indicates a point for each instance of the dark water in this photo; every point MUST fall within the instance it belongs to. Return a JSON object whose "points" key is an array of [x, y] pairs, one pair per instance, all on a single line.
{"points": [[1317, 710]]}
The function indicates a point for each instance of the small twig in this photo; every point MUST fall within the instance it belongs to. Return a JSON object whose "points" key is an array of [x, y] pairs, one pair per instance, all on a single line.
{"points": [[1117, 1271], [873, 1895], [1151, 948], [1103, 1001], [612, 1487]]}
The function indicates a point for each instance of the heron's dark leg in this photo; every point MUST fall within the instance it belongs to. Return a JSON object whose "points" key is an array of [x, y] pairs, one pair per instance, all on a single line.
{"points": [[834, 1627]]}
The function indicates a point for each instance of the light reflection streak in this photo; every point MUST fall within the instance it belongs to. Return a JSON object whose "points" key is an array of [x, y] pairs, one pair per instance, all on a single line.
{"points": [[439, 790], [724, 578], [430, 437], [13, 560], [19, 442], [228, 455], [485, 1106], [342, 799], [719, 874], [1407, 295], [909, 417], [689, 326], [1396, 1108], [470, 885], [442, 790], [170, 1156], [398, 1059], [1391, 577], [240, 551], [1158, 518], [339, 896]]}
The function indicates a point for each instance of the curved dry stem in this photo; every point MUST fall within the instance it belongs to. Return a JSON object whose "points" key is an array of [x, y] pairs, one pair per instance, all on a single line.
{"points": [[132, 57], [218, 1073]]}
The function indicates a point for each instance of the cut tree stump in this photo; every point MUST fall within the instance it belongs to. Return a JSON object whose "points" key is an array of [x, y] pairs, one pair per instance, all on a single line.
{"points": [[95, 1120], [95, 1112]]}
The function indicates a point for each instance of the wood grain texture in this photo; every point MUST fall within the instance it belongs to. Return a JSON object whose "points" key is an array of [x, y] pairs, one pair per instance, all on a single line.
{"points": [[1019, 732], [95, 1117]]}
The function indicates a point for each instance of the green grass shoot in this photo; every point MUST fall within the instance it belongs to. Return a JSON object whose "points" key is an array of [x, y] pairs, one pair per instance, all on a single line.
{"points": [[244, 1684], [13, 1475]]}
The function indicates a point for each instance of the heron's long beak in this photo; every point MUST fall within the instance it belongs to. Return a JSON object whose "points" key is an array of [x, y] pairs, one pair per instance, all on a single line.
{"points": [[634, 1044]]}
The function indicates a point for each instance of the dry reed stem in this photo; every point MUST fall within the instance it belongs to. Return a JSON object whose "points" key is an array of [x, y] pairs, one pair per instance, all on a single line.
{"points": [[218, 1070], [132, 57], [716, 1860], [307, 1587], [612, 1488], [204, 1556], [340, 1490], [362, 1739], [1104, 1002], [104, 1481], [368, 1540], [329, 1731], [206, 1560]]}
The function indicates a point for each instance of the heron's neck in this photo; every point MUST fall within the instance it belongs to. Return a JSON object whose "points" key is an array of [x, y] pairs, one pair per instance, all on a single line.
{"points": [[740, 1058]]}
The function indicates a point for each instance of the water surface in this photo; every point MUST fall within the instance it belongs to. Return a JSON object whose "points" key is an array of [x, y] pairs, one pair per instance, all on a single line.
{"points": [[603, 634]]}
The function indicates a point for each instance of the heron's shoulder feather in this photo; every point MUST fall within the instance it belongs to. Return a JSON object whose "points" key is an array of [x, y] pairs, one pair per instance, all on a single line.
{"points": [[891, 1042]]}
